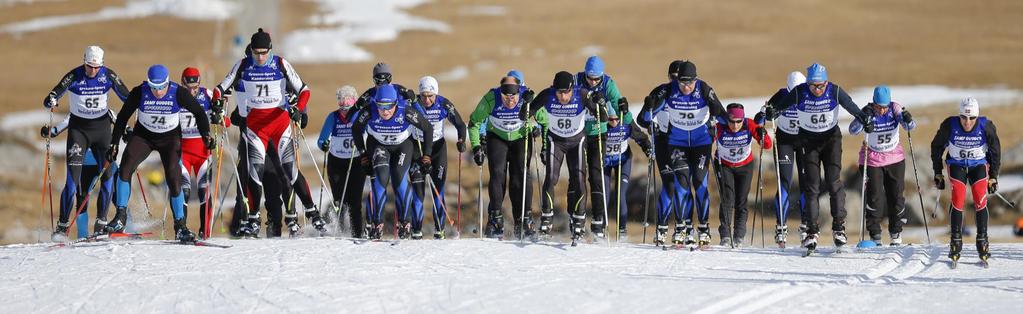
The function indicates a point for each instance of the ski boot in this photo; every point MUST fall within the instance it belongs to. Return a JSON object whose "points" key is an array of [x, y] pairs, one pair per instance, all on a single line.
{"points": [[704, 235], [803, 232], [597, 228], [292, 224], [877, 239], [119, 222], [60, 232], [690, 235], [374, 232], [417, 234], [737, 242], [576, 225], [527, 233], [250, 228], [896, 239], [404, 230], [660, 235], [810, 242], [726, 241], [546, 225], [495, 225], [781, 234], [439, 235], [181, 232], [982, 249], [273, 229], [99, 228], [622, 235], [680, 236], [316, 220], [840, 238], [955, 247]]}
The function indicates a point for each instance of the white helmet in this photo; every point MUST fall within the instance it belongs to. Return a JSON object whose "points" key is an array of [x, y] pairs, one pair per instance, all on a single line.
{"points": [[94, 56], [969, 107], [795, 78], [428, 84]]}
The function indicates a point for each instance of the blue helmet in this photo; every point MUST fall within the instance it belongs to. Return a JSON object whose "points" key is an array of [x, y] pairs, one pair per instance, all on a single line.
{"points": [[594, 66], [882, 95], [386, 96], [518, 76], [158, 77], [816, 73]]}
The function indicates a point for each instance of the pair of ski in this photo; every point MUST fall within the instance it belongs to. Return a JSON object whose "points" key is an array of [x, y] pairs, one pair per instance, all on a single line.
{"points": [[104, 237], [361, 241], [983, 263], [683, 246]]}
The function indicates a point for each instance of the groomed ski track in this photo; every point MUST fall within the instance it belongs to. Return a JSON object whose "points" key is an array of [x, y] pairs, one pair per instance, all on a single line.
{"points": [[320, 275]]}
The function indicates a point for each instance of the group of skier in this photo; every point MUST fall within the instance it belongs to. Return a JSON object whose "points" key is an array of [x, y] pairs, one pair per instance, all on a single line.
{"points": [[396, 136]]}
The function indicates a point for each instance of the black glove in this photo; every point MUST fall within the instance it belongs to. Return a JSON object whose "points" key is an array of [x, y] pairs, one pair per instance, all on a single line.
{"points": [[216, 117], [48, 132], [992, 185], [304, 121], [623, 106], [906, 117], [939, 181], [479, 155], [410, 95], [460, 145], [527, 96], [761, 132], [51, 100], [112, 153], [426, 165], [325, 145], [128, 133], [769, 112], [869, 111], [209, 141], [867, 126], [218, 105], [296, 115], [365, 162], [760, 117]]}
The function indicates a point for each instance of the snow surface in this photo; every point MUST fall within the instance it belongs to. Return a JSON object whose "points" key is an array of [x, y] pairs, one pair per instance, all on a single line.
{"points": [[344, 23], [484, 276], [132, 9]]}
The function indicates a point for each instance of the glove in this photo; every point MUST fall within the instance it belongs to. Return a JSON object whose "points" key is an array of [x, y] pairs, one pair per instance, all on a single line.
{"points": [[769, 112], [534, 132], [295, 114], [867, 126], [906, 117], [51, 100], [760, 117], [623, 106], [210, 142], [479, 155], [649, 152], [460, 145], [939, 181], [992, 185], [304, 121], [112, 153], [292, 99], [761, 132], [869, 111], [217, 117], [410, 95], [325, 145], [364, 161], [128, 133], [527, 96], [426, 165], [48, 132]]}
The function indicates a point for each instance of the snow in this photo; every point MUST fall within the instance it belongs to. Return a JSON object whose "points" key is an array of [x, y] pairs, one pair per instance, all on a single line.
{"points": [[483, 10], [474, 276], [590, 50], [342, 24], [132, 9], [457, 73]]}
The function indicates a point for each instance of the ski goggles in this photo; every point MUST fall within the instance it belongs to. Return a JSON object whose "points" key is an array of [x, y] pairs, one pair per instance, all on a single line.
{"points": [[509, 89], [968, 118], [818, 86]]}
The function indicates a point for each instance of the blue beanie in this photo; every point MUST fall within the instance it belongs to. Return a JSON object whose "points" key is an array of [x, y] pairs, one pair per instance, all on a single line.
{"points": [[386, 96], [882, 95], [158, 76], [594, 66], [816, 73], [518, 76]]}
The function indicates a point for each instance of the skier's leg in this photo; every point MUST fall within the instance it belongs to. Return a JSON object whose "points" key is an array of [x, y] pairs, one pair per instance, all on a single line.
{"points": [[875, 195], [417, 181], [808, 158], [517, 155], [76, 148], [135, 152], [255, 150], [576, 184], [896, 203], [831, 158], [401, 162], [666, 202], [957, 177], [786, 160], [498, 151], [555, 156], [594, 159], [728, 196], [699, 161], [683, 190], [622, 187], [381, 158], [978, 177], [743, 179], [439, 176]]}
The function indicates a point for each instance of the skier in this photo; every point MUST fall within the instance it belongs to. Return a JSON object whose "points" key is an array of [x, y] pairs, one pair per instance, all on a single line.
{"points": [[90, 172], [618, 160], [262, 80], [505, 143], [973, 161], [89, 126], [788, 125], [382, 76], [820, 144], [886, 164], [567, 105], [346, 179], [654, 119], [593, 78], [436, 108], [389, 151], [690, 104], [734, 167], [195, 159], [158, 102]]}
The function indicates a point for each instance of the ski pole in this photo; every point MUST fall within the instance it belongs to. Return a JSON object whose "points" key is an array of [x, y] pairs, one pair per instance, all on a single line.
{"points": [[1010, 203], [47, 181], [458, 219], [780, 211], [525, 183], [863, 190], [603, 187], [344, 189], [618, 201], [919, 188], [650, 183], [479, 202], [759, 196], [319, 174]]}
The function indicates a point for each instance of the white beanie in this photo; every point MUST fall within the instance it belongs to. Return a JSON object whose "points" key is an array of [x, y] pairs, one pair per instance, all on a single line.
{"points": [[795, 78], [428, 84], [969, 107], [94, 56]]}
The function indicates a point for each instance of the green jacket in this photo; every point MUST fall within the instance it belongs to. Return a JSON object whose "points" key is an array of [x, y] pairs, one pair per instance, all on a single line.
{"points": [[479, 117], [612, 95]]}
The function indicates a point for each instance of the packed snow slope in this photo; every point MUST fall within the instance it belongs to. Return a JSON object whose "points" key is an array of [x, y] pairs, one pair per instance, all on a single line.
{"points": [[320, 275]]}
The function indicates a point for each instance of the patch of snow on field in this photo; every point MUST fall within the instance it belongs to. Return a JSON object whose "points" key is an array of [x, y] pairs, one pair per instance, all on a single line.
{"points": [[134, 9]]}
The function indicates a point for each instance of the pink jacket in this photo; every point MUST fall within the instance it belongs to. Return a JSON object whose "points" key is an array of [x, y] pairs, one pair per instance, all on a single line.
{"points": [[881, 159]]}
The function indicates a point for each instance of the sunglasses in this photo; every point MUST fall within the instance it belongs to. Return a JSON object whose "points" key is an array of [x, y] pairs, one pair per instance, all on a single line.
{"points": [[687, 82], [967, 118], [735, 121], [261, 52], [819, 86], [564, 91], [595, 79], [513, 94], [91, 67]]}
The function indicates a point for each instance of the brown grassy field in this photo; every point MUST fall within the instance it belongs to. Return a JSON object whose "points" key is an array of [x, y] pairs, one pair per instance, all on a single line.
{"points": [[743, 48]]}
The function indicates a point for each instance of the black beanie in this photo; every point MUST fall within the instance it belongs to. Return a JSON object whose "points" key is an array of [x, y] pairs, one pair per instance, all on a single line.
{"points": [[260, 40], [563, 80], [687, 71]]}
